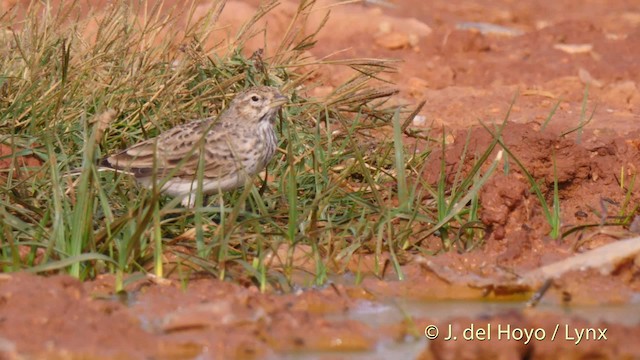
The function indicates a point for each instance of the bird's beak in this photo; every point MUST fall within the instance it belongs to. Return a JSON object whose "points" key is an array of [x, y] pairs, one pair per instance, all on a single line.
{"points": [[279, 100]]}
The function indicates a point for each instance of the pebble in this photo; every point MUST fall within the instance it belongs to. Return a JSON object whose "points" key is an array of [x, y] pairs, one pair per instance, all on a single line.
{"points": [[419, 120], [393, 41]]}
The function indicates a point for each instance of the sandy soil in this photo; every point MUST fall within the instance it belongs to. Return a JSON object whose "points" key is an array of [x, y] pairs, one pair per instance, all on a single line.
{"points": [[544, 51]]}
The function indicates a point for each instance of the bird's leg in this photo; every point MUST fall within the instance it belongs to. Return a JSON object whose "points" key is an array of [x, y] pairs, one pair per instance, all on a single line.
{"points": [[264, 182], [189, 201]]}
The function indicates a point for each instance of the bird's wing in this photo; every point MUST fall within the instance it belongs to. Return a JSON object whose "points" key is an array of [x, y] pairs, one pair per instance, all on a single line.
{"points": [[167, 151]]}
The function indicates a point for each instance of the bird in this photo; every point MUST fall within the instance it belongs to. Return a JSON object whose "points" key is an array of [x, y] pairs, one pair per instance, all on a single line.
{"points": [[231, 148]]}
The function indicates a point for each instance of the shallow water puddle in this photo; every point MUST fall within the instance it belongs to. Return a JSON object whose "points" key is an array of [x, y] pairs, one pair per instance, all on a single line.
{"points": [[503, 315], [215, 317], [624, 314]]}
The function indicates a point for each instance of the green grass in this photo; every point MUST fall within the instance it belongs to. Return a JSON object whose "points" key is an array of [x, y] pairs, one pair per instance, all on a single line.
{"points": [[59, 90], [332, 187], [326, 191]]}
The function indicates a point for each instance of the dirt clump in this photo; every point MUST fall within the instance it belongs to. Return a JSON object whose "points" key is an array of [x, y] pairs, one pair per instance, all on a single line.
{"points": [[19, 166], [214, 318], [46, 316], [587, 174]]}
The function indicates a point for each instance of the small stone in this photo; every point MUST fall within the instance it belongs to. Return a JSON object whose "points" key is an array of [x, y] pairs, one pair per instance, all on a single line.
{"points": [[393, 41], [541, 24], [449, 139], [418, 27], [419, 120], [574, 48]]}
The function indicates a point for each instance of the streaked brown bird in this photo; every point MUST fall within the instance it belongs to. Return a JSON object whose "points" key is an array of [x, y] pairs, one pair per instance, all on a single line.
{"points": [[234, 146]]}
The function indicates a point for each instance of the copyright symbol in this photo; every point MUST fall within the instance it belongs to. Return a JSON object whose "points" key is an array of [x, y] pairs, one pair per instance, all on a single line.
{"points": [[431, 332]]}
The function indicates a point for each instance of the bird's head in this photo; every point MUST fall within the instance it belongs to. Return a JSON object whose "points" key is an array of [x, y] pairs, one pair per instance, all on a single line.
{"points": [[257, 104]]}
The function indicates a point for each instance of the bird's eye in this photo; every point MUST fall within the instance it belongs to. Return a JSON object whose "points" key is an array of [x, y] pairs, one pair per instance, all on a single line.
{"points": [[255, 98]]}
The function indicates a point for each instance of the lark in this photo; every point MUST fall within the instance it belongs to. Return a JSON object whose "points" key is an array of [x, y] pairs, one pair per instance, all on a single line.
{"points": [[231, 149]]}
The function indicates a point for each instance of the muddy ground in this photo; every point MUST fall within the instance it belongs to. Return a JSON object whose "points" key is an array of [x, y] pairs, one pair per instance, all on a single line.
{"points": [[546, 52]]}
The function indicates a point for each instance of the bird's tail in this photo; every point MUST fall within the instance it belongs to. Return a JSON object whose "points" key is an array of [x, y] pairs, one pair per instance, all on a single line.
{"points": [[102, 165]]}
